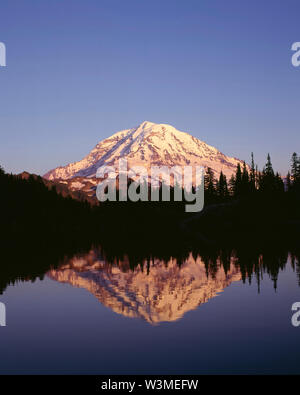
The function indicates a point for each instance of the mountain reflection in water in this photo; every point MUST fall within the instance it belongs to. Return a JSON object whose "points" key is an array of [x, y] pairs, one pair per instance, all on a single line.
{"points": [[154, 291], [181, 324]]}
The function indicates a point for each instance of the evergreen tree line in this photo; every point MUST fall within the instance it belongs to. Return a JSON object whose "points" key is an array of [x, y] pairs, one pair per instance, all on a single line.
{"points": [[40, 227], [248, 180], [30, 211]]}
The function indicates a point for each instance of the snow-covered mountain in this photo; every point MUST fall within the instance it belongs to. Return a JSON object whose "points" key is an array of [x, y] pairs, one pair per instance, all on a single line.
{"points": [[146, 145]]}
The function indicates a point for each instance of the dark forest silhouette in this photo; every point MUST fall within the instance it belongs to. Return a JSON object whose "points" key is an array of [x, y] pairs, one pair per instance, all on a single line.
{"points": [[245, 216], [248, 180]]}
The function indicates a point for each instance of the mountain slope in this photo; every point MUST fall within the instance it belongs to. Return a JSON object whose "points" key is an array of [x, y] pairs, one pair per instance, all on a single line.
{"points": [[146, 145]]}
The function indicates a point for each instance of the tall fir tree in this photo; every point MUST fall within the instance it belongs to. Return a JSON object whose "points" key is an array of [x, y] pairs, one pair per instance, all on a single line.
{"points": [[231, 187], [252, 173], [245, 187], [295, 169], [238, 181], [222, 187], [269, 167], [288, 182], [209, 184], [268, 181]]}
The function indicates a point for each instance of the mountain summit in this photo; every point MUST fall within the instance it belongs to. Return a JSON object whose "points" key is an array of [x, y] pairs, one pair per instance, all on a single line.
{"points": [[146, 145]]}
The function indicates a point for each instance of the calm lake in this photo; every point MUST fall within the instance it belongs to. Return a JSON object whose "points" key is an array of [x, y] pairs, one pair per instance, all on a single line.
{"points": [[188, 316]]}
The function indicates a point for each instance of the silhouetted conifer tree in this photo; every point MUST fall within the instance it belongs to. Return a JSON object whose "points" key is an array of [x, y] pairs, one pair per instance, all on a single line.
{"points": [[269, 182], [231, 187], [245, 185], [222, 187], [252, 174], [268, 167], [295, 171], [288, 182], [209, 185], [238, 181]]}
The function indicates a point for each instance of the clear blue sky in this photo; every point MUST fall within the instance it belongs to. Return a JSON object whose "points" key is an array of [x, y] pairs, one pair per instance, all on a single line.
{"points": [[79, 70]]}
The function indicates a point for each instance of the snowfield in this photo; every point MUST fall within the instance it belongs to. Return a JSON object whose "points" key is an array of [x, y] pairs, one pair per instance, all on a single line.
{"points": [[149, 144]]}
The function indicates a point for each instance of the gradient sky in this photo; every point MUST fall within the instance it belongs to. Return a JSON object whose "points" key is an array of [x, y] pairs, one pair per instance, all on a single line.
{"points": [[80, 70]]}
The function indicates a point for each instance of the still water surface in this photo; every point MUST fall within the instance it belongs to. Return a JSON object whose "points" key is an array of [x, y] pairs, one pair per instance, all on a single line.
{"points": [[162, 317]]}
